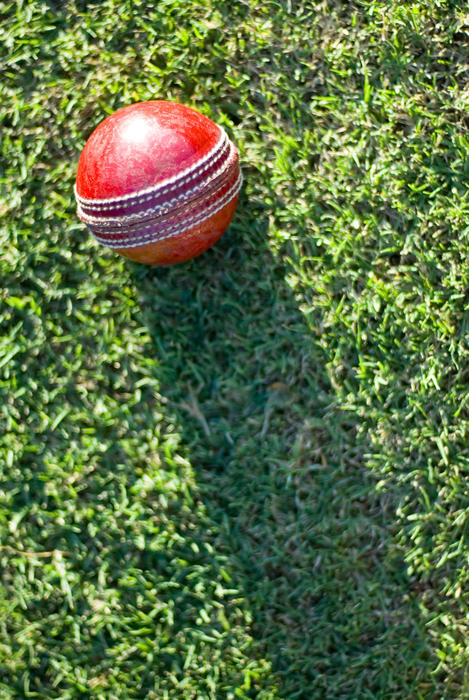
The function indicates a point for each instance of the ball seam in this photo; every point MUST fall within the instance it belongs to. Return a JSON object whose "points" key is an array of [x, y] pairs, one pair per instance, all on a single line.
{"points": [[163, 187], [174, 230], [182, 198]]}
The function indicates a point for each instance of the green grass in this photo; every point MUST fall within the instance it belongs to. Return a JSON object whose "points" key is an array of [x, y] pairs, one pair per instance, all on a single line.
{"points": [[245, 476]]}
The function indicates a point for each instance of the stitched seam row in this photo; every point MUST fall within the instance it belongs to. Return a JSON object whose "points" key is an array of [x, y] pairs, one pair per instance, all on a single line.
{"points": [[127, 219], [163, 187], [181, 212], [173, 230], [193, 212]]}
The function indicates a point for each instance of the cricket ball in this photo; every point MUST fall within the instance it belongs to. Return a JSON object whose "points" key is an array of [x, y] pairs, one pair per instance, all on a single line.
{"points": [[158, 182]]}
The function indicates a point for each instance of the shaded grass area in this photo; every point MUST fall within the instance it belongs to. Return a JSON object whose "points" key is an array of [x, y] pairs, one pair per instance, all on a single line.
{"points": [[244, 476]]}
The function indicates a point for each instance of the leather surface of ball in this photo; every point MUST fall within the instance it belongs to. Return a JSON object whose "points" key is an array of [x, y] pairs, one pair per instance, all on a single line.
{"points": [[158, 182]]}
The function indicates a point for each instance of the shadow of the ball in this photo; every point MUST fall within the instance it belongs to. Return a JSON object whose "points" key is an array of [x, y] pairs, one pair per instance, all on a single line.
{"points": [[186, 245]]}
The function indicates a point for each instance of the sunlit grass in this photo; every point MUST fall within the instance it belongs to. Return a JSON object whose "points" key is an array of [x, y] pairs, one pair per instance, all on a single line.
{"points": [[245, 476]]}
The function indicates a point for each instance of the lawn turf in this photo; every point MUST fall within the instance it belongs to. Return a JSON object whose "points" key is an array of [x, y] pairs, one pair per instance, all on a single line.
{"points": [[245, 476]]}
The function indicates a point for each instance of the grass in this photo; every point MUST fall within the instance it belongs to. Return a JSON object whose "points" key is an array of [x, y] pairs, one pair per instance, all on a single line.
{"points": [[245, 476]]}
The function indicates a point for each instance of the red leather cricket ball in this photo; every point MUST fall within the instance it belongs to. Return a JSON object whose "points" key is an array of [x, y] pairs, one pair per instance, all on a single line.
{"points": [[158, 182]]}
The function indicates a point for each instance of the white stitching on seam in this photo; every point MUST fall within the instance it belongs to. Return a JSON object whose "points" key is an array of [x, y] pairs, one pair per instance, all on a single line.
{"points": [[165, 185], [174, 230], [102, 202], [129, 219]]}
